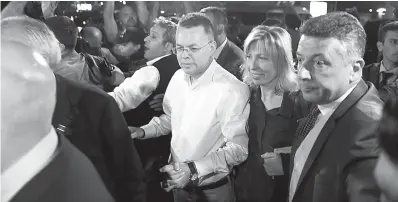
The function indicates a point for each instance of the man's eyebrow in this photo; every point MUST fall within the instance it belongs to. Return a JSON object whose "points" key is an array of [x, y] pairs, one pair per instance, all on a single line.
{"points": [[314, 55], [190, 45]]}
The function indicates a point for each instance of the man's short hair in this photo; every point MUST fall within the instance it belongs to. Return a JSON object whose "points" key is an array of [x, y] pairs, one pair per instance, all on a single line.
{"points": [[389, 128], [195, 20], [220, 18], [341, 26], [34, 34], [391, 26], [170, 29], [64, 29]]}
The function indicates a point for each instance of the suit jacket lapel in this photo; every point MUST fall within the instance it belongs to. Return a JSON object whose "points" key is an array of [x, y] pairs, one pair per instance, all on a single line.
{"points": [[351, 99], [222, 58], [50, 173]]}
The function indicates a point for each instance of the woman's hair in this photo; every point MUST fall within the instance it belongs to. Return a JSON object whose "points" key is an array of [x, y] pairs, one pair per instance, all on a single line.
{"points": [[389, 128], [276, 42]]}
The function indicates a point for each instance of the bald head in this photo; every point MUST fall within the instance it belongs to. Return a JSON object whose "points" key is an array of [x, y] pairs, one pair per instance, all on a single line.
{"points": [[93, 36], [28, 100]]}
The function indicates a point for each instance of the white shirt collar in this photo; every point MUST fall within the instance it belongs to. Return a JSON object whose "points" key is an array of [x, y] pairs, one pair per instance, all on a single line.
{"points": [[219, 49], [330, 107], [382, 68], [206, 76], [22, 171], [151, 62]]}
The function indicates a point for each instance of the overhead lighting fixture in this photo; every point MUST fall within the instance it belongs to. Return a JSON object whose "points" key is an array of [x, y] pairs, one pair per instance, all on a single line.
{"points": [[318, 8], [102, 3], [124, 3], [381, 10], [370, 10], [84, 7]]}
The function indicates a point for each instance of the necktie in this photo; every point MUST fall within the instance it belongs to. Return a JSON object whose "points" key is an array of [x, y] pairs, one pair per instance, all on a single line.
{"points": [[309, 123], [384, 78], [301, 133]]}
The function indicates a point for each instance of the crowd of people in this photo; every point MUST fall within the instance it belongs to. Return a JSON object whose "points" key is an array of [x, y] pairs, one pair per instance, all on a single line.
{"points": [[149, 108]]}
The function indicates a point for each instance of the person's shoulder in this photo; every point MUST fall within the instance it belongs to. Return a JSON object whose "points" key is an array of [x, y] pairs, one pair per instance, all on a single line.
{"points": [[222, 76], [85, 89], [369, 106], [235, 50]]}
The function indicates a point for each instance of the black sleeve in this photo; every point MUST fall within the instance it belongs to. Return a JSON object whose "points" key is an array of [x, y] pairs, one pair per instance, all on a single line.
{"points": [[127, 170]]}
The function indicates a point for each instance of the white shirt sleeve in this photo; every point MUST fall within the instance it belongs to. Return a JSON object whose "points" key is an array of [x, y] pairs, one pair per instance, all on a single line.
{"points": [[233, 117], [134, 90], [160, 125]]}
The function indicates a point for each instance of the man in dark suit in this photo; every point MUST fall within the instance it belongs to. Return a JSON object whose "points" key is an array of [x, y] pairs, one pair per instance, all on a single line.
{"points": [[87, 116], [335, 149], [92, 121], [37, 164], [384, 75], [227, 54]]}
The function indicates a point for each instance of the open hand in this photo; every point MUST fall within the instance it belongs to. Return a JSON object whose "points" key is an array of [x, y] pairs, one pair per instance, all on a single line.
{"points": [[272, 164], [157, 102]]}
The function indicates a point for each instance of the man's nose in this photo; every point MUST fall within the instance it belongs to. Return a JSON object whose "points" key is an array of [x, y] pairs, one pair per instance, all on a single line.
{"points": [[304, 74]]}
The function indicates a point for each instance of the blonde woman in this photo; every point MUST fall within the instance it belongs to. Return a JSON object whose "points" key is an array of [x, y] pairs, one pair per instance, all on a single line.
{"points": [[275, 108]]}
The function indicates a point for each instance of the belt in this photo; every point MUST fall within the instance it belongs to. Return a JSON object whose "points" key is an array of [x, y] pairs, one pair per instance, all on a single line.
{"points": [[215, 185]]}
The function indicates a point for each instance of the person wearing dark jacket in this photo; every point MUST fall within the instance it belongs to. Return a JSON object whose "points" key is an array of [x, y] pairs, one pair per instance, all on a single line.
{"points": [[83, 68], [335, 148], [227, 54], [87, 116], [384, 75], [92, 121], [264, 176], [37, 164]]}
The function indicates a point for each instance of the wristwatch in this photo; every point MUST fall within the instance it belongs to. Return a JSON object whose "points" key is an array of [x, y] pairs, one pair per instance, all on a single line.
{"points": [[194, 179]]}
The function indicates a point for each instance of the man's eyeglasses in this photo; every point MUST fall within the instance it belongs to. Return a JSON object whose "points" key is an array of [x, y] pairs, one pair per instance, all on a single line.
{"points": [[190, 50]]}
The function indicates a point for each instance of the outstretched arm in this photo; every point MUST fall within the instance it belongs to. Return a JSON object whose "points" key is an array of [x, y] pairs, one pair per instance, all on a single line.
{"points": [[110, 25], [153, 15]]}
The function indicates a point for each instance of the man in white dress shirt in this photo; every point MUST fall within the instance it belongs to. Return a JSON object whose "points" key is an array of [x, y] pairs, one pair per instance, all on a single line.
{"points": [[159, 44], [206, 109], [335, 148]]}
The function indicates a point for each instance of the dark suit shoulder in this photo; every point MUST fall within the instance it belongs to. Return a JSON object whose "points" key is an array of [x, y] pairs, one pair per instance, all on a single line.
{"points": [[235, 50], [68, 177], [86, 90], [370, 69], [370, 103]]}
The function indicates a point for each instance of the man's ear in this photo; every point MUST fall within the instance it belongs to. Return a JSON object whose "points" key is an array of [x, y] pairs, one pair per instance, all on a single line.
{"points": [[220, 29], [168, 47], [380, 46], [357, 67], [62, 47]]}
